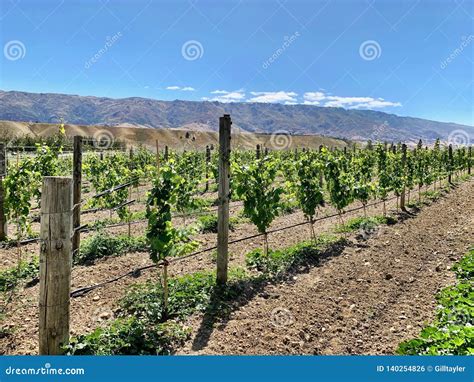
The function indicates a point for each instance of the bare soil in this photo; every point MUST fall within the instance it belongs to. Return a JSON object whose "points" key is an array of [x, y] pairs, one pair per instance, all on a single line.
{"points": [[362, 298]]}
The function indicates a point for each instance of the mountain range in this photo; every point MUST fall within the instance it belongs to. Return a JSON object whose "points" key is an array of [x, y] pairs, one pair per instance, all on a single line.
{"points": [[360, 125]]}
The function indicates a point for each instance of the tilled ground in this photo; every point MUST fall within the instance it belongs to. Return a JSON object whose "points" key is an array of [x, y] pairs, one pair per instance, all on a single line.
{"points": [[332, 307], [362, 299]]}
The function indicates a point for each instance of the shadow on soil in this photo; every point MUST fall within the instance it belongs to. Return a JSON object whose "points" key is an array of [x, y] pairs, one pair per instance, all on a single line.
{"points": [[218, 311]]}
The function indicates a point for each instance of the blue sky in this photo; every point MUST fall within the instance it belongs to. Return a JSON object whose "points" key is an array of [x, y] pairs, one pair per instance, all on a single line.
{"points": [[404, 57]]}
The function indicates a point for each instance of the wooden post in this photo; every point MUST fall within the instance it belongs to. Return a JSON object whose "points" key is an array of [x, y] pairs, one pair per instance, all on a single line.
{"points": [[55, 264], [257, 152], [469, 160], [157, 157], [76, 198], [3, 173], [208, 160], [450, 159], [404, 162], [166, 153], [223, 208]]}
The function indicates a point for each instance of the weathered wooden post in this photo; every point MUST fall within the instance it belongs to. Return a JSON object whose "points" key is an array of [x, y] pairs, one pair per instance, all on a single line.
{"points": [[166, 153], [157, 156], [257, 152], [451, 164], [76, 198], [404, 163], [469, 160], [208, 160], [55, 264], [223, 197], [3, 173]]}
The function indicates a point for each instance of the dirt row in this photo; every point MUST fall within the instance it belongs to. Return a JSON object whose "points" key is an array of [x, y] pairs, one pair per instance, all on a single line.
{"points": [[97, 307], [363, 298]]}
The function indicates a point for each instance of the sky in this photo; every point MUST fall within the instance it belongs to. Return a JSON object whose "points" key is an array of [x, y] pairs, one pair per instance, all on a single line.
{"points": [[411, 58]]}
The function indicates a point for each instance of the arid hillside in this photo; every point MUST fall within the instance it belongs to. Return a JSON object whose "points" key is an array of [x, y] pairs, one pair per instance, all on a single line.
{"points": [[191, 138]]}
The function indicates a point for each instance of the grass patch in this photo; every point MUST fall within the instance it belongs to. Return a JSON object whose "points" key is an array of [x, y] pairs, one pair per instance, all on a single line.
{"points": [[141, 327], [11, 277], [288, 206], [187, 294], [208, 223], [129, 336], [365, 223], [278, 262], [452, 333], [105, 245]]}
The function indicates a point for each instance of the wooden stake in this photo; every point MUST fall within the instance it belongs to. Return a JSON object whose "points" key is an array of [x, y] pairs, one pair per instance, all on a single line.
{"points": [[208, 160], [451, 164], [3, 173], [157, 157], [55, 264], [76, 198], [404, 161], [469, 159], [223, 208]]}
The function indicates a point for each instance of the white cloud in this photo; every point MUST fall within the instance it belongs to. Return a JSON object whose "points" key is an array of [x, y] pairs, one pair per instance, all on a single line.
{"points": [[313, 98], [184, 88], [226, 96], [274, 97], [375, 104], [320, 98]]}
